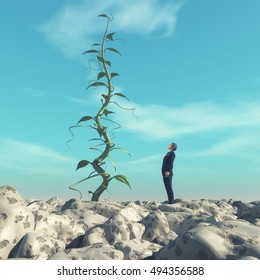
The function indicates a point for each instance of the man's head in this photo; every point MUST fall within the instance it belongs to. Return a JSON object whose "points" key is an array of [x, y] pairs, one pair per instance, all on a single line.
{"points": [[172, 146]]}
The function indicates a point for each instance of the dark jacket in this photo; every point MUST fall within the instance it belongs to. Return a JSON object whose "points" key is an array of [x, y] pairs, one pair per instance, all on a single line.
{"points": [[167, 164]]}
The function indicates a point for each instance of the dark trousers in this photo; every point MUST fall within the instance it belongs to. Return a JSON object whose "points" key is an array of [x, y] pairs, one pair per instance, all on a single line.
{"points": [[168, 186]]}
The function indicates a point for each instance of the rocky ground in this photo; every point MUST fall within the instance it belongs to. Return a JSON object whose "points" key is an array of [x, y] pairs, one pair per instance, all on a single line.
{"points": [[86, 230]]}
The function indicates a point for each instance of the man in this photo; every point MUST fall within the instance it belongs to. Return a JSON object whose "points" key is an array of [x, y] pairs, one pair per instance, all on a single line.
{"points": [[167, 174]]}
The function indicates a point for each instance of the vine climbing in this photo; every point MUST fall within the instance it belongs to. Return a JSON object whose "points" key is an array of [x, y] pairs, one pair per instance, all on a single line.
{"points": [[101, 121]]}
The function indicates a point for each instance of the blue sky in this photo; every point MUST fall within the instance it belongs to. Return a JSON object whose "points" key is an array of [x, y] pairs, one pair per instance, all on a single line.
{"points": [[190, 68]]}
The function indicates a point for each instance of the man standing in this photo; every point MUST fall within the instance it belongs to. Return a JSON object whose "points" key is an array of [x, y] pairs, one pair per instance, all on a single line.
{"points": [[167, 174]]}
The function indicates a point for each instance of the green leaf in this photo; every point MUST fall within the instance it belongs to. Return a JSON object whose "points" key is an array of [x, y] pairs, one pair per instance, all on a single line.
{"points": [[110, 36], [93, 127], [122, 179], [103, 15], [96, 44], [101, 75], [121, 95], [102, 144], [106, 112], [93, 148], [101, 59], [112, 161], [82, 163], [91, 51], [97, 139], [114, 75], [86, 118], [113, 50], [97, 84], [122, 150]]}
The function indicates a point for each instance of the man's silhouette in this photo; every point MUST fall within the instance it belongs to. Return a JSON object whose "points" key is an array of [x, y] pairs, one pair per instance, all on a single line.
{"points": [[167, 173]]}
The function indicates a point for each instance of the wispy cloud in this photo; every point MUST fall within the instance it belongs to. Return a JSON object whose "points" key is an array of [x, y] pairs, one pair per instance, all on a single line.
{"points": [[78, 101], [31, 158], [144, 160], [240, 144], [162, 122], [40, 93], [146, 17], [35, 92], [75, 26]]}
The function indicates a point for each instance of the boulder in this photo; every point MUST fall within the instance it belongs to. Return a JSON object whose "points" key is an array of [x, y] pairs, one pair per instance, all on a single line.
{"points": [[156, 225], [16, 219], [58, 226], [35, 245], [95, 235], [96, 251], [116, 229], [223, 240], [136, 249], [106, 209], [249, 212]]}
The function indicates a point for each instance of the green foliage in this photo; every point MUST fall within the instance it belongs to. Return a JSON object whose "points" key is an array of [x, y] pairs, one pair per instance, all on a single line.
{"points": [[103, 114]]}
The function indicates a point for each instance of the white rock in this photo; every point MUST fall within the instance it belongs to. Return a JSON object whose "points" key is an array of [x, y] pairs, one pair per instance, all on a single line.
{"points": [[188, 214], [55, 202], [257, 222], [58, 226], [52, 205], [36, 205], [130, 214], [76, 229], [137, 230], [136, 249], [87, 218], [249, 212], [35, 245], [223, 240], [106, 209], [116, 229], [16, 219], [94, 252], [95, 235], [165, 239], [143, 212], [156, 225]]}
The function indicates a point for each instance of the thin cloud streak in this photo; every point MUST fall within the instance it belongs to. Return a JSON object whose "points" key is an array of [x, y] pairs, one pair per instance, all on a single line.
{"points": [[240, 144], [78, 101], [40, 93], [161, 122], [31, 158], [75, 26], [147, 159]]}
